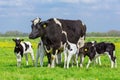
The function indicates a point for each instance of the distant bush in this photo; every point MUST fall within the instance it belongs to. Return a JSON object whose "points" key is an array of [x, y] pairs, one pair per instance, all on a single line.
{"points": [[111, 33], [14, 34]]}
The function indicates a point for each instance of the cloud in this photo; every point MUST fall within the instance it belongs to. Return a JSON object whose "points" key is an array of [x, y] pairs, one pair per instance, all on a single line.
{"points": [[89, 1]]}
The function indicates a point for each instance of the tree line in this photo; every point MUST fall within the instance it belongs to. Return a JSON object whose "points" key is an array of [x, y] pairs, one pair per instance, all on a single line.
{"points": [[111, 33]]}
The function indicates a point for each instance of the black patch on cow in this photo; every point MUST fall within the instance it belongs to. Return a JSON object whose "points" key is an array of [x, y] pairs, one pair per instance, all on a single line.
{"points": [[68, 47], [19, 49], [26, 46]]}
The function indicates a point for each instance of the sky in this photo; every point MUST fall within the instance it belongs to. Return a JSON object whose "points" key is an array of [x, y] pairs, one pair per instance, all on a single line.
{"points": [[98, 15]]}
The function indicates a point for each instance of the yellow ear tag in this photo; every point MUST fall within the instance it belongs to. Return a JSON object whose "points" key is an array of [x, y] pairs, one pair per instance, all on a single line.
{"points": [[44, 26], [86, 49]]}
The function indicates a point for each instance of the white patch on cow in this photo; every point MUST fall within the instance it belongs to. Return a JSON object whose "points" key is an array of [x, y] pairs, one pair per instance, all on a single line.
{"points": [[17, 38], [29, 49], [35, 21], [81, 42], [93, 43], [83, 24], [64, 32], [58, 22]]}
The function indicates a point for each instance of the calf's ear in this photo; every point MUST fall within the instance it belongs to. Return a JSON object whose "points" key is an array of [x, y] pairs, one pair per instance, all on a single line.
{"points": [[21, 39], [13, 39]]}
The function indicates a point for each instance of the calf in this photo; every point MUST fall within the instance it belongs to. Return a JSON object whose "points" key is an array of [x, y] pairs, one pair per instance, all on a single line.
{"points": [[70, 51], [22, 48], [94, 50]]}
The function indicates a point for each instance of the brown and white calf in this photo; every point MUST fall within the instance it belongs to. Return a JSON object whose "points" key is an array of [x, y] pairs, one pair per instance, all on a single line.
{"points": [[22, 48], [94, 50]]}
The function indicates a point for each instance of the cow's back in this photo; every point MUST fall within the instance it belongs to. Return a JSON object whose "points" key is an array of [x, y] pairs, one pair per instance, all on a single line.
{"points": [[74, 28]]}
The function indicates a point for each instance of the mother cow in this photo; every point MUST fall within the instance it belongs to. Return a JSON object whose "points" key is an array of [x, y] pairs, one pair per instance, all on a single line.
{"points": [[54, 32]]}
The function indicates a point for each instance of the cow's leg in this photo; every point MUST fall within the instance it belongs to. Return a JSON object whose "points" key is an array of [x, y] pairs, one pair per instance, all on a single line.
{"points": [[65, 59], [32, 56], [68, 60], [37, 56], [53, 58], [99, 61], [18, 59], [76, 59], [115, 63], [49, 59], [56, 59], [59, 58], [26, 57], [112, 58], [89, 62], [42, 53], [81, 60]]}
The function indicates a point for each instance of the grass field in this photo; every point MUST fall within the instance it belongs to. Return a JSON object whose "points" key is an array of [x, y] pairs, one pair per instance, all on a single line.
{"points": [[9, 70]]}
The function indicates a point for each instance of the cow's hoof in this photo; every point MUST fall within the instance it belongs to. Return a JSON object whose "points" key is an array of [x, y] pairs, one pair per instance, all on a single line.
{"points": [[49, 65]]}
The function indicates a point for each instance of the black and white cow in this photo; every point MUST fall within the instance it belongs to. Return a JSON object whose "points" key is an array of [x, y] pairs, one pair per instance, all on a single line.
{"points": [[94, 50], [53, 33], [22, 48]]}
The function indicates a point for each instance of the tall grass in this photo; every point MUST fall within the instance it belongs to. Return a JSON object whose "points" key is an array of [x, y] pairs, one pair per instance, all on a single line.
{"points": [[9, 70]]}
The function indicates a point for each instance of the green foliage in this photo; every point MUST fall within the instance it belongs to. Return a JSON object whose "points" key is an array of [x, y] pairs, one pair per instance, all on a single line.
{"points": [[14, 34], [112, 33], [9, 70]]}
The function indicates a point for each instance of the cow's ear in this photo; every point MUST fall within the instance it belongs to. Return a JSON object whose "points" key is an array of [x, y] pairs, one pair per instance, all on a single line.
{"points": [[21, 39], [13, 39]]}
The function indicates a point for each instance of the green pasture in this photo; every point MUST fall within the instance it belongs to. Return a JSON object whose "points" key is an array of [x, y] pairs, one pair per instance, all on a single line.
{"points": [[9, 70]]}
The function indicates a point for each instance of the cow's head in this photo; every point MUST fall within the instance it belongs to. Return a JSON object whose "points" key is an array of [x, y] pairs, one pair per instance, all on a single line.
{"points": [[17, 41], [38, 28]]}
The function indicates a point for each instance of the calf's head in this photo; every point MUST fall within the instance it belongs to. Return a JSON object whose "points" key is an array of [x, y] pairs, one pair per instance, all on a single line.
{"points": [[17, 41]]}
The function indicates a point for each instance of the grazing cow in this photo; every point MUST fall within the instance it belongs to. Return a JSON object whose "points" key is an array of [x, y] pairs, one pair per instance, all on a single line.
{"points": [[94, 50], [22, 48], [53, 33]]}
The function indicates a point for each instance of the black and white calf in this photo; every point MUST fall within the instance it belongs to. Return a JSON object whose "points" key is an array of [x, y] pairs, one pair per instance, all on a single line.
{"points": [[70, 53], [22, 48], [94, 50]]}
